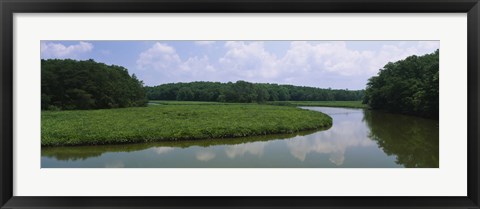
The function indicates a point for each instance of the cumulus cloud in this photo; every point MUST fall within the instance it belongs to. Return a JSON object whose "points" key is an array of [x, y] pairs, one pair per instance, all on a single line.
{"points": [[58, 50], [322, 64], [334, 141], [205, 155], [162, 150], [255, 148], [195, 65], [249, 60], [164, 63], [302, 61], [330, 57], [313, 63], [160, 57]]}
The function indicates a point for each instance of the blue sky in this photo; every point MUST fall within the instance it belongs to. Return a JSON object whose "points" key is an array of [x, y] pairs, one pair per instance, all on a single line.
{"points": [[324, 64]]}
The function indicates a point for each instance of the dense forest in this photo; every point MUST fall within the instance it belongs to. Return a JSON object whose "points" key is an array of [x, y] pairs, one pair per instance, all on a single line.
{"points": [[70, 84], [246, 92], [408, 86]]}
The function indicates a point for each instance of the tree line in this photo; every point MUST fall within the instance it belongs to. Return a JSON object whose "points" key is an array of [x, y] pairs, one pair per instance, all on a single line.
{"points": [[71, 84], [409, 86], [246, 92]]}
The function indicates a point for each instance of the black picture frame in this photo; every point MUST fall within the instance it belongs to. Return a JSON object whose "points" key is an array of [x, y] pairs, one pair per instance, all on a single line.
{"points": [[9, 7]]}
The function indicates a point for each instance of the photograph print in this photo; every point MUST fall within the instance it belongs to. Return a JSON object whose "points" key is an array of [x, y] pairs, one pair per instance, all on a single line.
{"points": [[239, 104]]}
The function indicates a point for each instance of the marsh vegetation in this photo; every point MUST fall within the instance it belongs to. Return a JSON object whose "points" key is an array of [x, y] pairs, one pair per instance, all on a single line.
{"points": [[174, 122]]}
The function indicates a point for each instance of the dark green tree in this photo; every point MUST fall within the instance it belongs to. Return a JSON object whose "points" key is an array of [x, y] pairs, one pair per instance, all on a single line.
{"points": [[71, 84], [409, 86], [185, 94]]}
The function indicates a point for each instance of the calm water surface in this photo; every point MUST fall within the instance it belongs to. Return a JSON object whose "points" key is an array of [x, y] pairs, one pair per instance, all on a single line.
{"points": [[357, 139]]}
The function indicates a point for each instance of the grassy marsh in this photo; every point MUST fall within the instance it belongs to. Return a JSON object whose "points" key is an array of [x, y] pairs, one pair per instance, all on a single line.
{"points": [[349, 104], [174, 122]]}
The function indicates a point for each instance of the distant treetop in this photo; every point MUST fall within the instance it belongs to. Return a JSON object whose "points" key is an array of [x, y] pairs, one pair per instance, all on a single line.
{"points": [[246, 92]]}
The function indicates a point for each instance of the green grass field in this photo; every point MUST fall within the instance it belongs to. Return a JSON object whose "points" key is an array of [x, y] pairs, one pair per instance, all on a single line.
{"points": [[163, 102], [350, 104], [174, 122]]}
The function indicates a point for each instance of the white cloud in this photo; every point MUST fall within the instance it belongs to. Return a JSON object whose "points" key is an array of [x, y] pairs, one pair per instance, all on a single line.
{"points": [[249, 60], [334, 141], [196, 65], [303, 61], [162, 150], [204, 43], [254, 148], [161, 64], [324, 64], [311, 63], [57, 50], [160, 57], [205, 155], [396, 52]]}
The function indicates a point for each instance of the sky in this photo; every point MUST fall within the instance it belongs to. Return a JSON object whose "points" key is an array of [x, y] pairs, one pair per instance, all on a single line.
{"points": [[324, 64]]}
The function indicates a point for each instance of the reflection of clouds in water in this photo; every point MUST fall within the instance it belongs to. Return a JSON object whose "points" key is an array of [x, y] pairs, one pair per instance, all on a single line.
{"points": [[335, 141], [240, 149], [116, 164], [334, 110], [205, 155], [162, 150]]}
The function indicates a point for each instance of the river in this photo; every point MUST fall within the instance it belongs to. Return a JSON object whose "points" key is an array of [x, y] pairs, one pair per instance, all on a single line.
{"points": [[358, 138]]}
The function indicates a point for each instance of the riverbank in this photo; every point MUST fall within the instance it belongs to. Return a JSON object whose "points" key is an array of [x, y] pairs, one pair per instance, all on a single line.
{"points": [[348, 104], [85, 152], [174, 122]]}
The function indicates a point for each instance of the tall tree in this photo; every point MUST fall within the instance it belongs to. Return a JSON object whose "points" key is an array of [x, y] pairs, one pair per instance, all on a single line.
{"points": [[71, 84], [409, 86]]}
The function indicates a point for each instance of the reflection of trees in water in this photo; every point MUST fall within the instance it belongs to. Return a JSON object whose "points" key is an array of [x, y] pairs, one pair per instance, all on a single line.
{"points": [[84, 152], [413, 140]]}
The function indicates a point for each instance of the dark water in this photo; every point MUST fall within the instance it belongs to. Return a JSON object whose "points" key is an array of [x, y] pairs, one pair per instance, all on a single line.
{"points": [[357, 139]]}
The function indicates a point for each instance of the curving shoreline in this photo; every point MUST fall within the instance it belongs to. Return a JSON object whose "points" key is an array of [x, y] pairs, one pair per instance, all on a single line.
{"points": [[174, 123]]}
